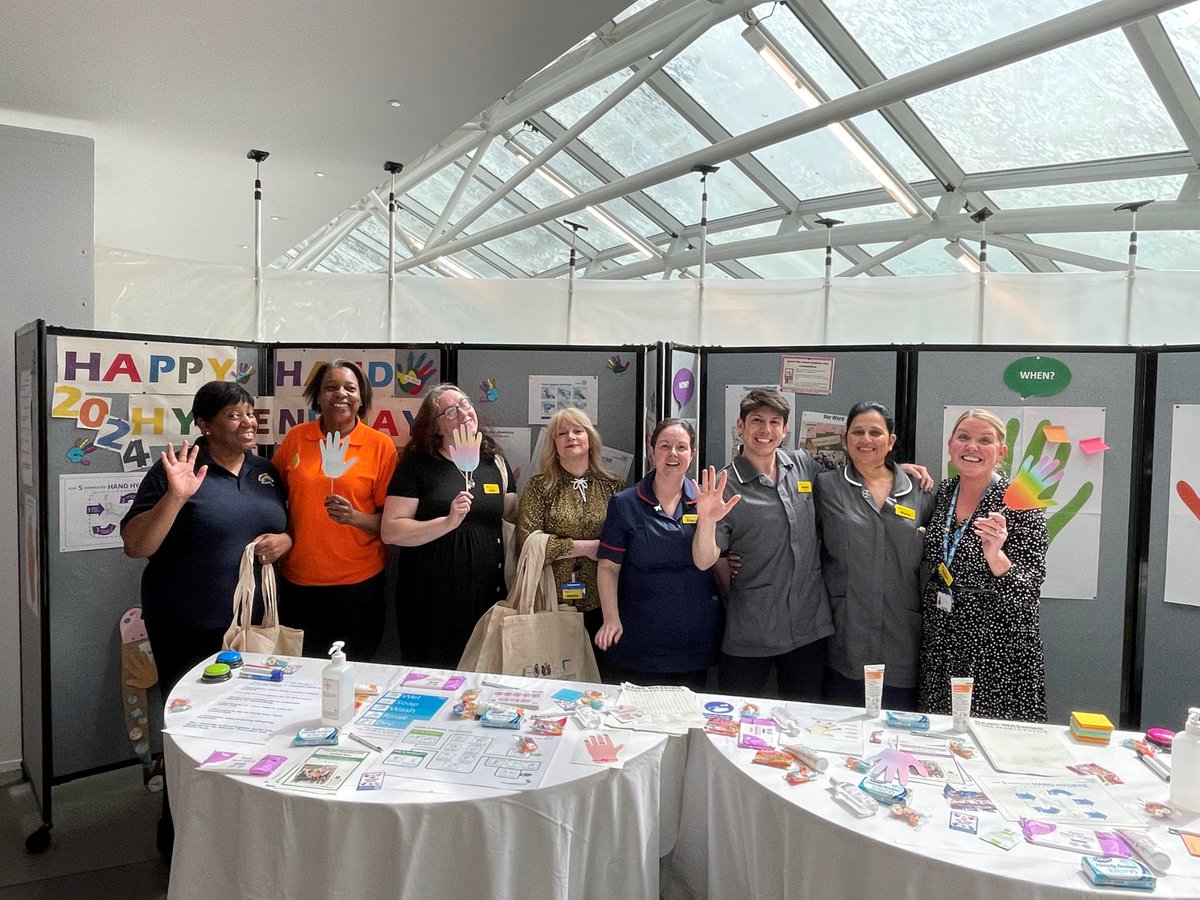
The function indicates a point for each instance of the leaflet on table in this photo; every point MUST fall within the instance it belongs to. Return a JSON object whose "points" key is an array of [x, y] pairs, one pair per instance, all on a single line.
{"points": [[512, 696], [925, 743], [830, 731], [666, 708], [393, 711], [1071, 801], [469, 754], [234, 763], [326, 770], [254, 711], [433, 681], [1023, 748]]}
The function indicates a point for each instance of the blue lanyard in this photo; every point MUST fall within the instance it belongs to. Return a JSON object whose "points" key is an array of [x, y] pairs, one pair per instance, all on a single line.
{"points": [[950, 545]]}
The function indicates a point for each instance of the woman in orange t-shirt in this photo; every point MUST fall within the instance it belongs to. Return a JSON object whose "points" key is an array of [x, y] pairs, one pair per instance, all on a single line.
{"points": [[333, 580]]}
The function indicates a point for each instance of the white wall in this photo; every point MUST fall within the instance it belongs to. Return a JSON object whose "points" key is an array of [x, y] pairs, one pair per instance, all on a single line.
{"points": [[46, 200]]}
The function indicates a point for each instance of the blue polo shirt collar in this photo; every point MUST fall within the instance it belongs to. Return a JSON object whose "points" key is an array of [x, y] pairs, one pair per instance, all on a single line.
{"points": [[205, 458], [745, 471], [644, 490]]}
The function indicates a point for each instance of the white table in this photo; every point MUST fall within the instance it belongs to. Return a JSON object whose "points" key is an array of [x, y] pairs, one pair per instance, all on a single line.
{"points": [[585, 832], [746, 833]]}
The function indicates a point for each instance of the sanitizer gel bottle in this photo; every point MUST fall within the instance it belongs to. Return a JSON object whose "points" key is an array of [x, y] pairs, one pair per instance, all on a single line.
{"points": [[1185, 764], [337, 688]]}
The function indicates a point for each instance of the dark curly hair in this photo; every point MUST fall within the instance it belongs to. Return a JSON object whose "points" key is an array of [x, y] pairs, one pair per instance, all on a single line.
{"points": [[424, 436], [312, 390]]}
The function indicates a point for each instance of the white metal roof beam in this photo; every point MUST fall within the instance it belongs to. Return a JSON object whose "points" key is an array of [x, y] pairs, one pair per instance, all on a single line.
{"points": [[1161, 216], [1066, 29], [459, 189], [1153, 165], [1158, 57], [829, 32], [879, 258], [320, 247], [1058, 254]]}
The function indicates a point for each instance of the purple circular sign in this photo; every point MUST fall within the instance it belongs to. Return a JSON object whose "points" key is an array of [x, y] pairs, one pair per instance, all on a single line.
{"points": [[683, 386]]}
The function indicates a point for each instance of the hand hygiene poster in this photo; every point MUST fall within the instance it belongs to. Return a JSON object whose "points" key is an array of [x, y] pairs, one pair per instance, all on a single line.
{"points": [[1183, 508], [1073, 516]]}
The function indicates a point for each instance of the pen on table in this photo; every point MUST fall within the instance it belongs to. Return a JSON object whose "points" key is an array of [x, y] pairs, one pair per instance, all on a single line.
{"points": [[1155, 765], [276, 675], [364, 742]]}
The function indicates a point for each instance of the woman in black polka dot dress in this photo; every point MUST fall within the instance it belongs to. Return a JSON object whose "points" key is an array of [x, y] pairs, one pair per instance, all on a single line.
{"points": [[980, 610]]}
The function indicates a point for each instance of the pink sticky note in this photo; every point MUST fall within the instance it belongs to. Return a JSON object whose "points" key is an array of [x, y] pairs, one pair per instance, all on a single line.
{"points": [[1093, 445], [1056, 434]]}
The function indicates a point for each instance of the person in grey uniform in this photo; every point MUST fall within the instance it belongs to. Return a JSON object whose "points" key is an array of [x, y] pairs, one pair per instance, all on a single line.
{"points": [[873, 520], [778, 616]]}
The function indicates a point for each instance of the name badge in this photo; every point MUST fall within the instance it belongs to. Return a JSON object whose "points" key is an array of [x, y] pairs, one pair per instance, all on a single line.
{"points": [[803, 487], [691, 518], [945, 601], [944, 574], [573, 590], [491, 488], [906, 512]]}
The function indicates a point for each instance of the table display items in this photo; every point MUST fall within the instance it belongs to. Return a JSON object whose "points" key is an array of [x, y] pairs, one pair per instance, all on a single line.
{"points": [[1091, 728], [1185, 764], [337, 688]]}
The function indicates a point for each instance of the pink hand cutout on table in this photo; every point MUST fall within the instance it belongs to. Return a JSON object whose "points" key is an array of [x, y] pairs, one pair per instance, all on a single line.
{"points": [[893, 764], [601, 749]]}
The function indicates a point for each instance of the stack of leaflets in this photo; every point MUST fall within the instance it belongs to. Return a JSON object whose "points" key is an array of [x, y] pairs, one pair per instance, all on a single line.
{"points": [[1091, 728]]}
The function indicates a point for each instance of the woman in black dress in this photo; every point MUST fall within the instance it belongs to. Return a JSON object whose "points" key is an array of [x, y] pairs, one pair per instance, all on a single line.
{"points": [[452, 562]]}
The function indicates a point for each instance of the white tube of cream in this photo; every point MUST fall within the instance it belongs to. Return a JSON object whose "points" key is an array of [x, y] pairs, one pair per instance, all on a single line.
{"points": [[873, 686], [960, 701]]}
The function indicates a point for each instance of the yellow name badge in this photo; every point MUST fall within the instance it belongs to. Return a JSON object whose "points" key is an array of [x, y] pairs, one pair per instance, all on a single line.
{"points": [[690, 518], [906, 512], [803, 487], [491, 488], [944, 574]]}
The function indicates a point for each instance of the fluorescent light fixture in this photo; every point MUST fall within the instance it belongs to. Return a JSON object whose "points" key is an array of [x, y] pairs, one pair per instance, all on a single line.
{"points": [[791, 74], [640, 244], [965, 257]]}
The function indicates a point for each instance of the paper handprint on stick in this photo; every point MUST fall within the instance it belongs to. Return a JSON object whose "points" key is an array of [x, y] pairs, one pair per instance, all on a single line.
{"points": [[464, 452], [333, 457]]}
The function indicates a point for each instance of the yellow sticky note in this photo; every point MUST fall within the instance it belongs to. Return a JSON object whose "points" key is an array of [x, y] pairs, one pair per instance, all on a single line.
{"points": [[804, 487], [1056, 434], [491, 488]]}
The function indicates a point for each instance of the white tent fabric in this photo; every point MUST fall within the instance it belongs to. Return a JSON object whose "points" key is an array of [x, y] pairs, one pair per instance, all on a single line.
{"points": [[142, 293]]}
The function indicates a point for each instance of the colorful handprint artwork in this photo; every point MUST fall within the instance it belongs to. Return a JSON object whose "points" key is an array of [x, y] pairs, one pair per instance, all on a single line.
{"points": [[79, 451], [1051, 474], [488, 392], [413, 375]]}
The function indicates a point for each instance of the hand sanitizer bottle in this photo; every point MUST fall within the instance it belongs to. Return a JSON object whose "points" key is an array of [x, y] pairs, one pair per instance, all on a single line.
{"points": [[1185, 764], [337, 688]]}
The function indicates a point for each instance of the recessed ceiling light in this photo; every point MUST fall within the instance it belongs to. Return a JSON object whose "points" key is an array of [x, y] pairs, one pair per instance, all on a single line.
{"points": [[394, 103], [274, 218], [244, 246], [319, 174]]}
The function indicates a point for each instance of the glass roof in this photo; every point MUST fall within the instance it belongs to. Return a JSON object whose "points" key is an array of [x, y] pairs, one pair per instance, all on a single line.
{"points": [[1046, 142]]}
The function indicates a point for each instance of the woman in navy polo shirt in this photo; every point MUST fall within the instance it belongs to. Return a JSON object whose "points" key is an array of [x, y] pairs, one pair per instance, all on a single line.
{"points": [[194, 514], [662, 620]]}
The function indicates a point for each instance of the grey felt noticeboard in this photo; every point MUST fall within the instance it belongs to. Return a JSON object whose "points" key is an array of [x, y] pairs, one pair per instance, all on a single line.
{"points": [[620, 396], [1083, 638], [1171, 633]]}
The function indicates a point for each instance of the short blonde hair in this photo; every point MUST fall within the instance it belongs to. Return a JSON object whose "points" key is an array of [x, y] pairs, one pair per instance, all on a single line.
{"points": [[992, 419], [548, 462]]}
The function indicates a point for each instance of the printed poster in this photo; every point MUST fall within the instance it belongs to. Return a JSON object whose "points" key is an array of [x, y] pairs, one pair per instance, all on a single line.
{"points": [[91, 506], [822, 435], [550, 393], [1183, 508], [1073, 519]]}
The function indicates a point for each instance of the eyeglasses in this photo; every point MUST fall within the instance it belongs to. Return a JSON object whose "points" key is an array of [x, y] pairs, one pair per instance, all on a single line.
{"points": [[452, 412]]}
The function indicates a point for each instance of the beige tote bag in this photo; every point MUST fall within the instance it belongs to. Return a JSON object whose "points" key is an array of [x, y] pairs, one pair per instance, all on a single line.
{"points": [[270, 636]]}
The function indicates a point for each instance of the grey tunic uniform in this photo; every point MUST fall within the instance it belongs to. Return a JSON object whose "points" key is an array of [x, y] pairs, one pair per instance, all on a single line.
{"points": [[777, 602], [873, 571]]}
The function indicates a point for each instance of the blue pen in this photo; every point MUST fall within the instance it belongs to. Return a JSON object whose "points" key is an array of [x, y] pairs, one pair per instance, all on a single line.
{"points": [[276, 675]]}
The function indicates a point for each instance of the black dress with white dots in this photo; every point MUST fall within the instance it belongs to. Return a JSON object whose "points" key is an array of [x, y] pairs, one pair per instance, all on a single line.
{"points": [[992, 631]]}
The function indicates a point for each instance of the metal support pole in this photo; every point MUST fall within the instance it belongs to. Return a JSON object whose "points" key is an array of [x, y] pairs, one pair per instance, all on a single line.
{"points": [[704, 171], [1131, 273], [828, 223], [394, 169], [258, 156], [575, 227], [981, 217]]}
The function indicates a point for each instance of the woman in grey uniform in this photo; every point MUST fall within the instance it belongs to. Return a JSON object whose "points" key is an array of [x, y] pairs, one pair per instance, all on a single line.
{"points": [[873, 519]]}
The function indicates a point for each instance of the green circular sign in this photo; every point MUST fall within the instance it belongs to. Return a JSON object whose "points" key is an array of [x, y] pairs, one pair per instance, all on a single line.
{"points": [[1037, 376]]}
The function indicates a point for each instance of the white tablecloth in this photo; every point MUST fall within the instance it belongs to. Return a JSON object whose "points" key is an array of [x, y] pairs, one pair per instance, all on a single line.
{"points": [[746, 833], [585, 832]]}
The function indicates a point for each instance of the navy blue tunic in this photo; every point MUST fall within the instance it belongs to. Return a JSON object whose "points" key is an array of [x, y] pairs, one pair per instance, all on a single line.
{"points": [[189, 580], [670, 617]]}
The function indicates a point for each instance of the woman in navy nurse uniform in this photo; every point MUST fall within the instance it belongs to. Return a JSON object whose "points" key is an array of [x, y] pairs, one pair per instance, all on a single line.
{"points": [[662, 620]]}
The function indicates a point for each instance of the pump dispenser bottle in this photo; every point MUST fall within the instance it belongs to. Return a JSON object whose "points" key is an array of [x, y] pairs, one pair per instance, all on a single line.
{"points": [[1185, 764], [337, 688]]}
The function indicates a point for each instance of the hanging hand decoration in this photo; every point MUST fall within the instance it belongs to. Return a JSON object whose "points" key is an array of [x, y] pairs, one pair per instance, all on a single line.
{"points": [[1031, 481], [333, 456]]}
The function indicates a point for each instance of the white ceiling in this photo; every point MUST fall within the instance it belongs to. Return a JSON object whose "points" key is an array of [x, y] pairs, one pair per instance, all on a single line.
{"points": [[175, 95]]}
